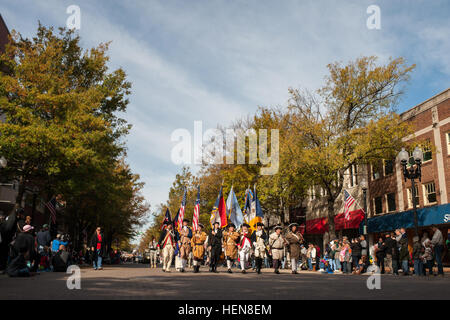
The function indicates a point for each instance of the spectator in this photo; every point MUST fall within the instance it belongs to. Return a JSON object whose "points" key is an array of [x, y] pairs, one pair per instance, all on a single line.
{"points": [[43, 238], [364, 246], [18, 266], [345, 257], [404, 252], [356, 252], [56, 243], [25, 241], [438, 244], [60, 260], [381, 254], [97, 247], [416, 255], [311, 254], [391, 252], [427, 257]]}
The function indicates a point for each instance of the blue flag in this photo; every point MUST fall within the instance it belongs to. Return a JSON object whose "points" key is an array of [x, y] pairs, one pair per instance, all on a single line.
{"points": [[234, 210]]}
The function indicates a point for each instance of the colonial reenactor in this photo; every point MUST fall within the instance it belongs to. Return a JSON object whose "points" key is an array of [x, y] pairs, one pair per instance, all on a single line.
{"points": [[154, 251], [167, 244], [198, 246], [215, 246], [230, 244], [295, 240], [276, 245], [245, 244], [185, 243], [259, 240]]}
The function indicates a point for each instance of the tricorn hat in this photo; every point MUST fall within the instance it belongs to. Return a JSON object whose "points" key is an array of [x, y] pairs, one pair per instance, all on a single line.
{"points": [[231, 225], [258, 224], [293, 224], [246, 225], [186, 220], [201, 225], [278, 227]]}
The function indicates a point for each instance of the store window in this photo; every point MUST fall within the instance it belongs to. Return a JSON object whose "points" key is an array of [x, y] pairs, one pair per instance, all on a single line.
{"points": [[390, 199], [378, 203], [429, 190]]}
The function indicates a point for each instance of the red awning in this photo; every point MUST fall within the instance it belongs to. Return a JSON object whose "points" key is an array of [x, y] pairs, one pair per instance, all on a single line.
{"points": [[352, 223], [320, 225], [317, 226]]}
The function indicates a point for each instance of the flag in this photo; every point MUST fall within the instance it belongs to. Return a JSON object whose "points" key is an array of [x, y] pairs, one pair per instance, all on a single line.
{"points": [[181, 212], [196, 216], [256, 214], [348, 201], [51, 206], [248, 204], [219, 212], [167, 219], [175, 220], [234, 210]]}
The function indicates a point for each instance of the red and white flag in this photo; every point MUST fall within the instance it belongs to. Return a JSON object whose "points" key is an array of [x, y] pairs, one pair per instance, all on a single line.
{"points": [[196, 216]]}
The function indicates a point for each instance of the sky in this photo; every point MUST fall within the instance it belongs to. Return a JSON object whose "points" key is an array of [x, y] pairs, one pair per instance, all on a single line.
{"points": [[217, 61]]}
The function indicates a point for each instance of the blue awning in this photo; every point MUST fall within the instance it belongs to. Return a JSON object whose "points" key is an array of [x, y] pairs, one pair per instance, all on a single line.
{"points": [[425, 217]]}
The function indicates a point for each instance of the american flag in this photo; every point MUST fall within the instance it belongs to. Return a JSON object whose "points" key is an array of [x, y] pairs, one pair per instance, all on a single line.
{"points": [[348, 201], [196, 215], [51, 206], [167, 219], [181, 215]]}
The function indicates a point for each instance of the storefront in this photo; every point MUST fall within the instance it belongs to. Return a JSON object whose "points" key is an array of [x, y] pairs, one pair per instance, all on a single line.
{"points": [[317, 229], [426, 217]]}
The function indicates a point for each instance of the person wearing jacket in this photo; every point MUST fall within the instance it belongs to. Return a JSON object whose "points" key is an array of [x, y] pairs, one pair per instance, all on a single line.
{"points": [[259, 240], [381, 254], [215, 246], [416, 255], [167, 244], [276, 245], [198, 246], [244, 246], [404, 252], [438, 243], [294, 239], [98, 248], [356, 252], [391, 251], [230, 244]]}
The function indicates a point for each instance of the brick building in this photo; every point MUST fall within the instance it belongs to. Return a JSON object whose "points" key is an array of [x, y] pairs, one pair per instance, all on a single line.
{"points": [[390, 197]]}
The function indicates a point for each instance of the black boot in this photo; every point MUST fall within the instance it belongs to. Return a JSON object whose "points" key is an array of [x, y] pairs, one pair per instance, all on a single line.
{"points": [[229, 271]]}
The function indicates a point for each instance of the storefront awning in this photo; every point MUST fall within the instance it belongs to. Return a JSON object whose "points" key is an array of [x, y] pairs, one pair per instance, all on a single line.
{"points": [[425, 217]]}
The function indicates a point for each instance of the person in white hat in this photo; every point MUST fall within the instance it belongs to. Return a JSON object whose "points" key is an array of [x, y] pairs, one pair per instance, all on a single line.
{"points": [[276, 245], [245, 244]]}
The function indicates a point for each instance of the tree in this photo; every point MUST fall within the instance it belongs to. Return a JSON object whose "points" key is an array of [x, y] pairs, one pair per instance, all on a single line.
{"points": [[351, 121]]}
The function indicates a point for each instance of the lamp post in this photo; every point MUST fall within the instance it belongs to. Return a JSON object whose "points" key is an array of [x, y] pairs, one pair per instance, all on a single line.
{"points": [[364, 186], [412, 173]]}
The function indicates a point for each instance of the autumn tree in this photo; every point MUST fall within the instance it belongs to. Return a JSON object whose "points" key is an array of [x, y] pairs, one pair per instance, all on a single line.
{"points": [[351, 121]]}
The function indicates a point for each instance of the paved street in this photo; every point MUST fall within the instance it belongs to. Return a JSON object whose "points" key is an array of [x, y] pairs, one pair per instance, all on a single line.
{"points": [[140, 282]]}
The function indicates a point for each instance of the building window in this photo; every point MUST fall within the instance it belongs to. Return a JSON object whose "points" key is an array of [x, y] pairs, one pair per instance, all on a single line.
{"points": [[351, 175], [390, 199], [429, 191], [378, 203], [355, 171], [410, 203], [427, 153], [376, 170], [388, 167]]}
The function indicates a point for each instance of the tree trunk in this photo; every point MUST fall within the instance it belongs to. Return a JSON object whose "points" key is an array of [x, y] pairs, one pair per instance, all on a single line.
{"points": [[331, 226], [21, 192]]}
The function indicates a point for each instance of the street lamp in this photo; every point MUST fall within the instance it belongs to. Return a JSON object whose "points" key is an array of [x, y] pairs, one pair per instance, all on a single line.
{"points": [[364, 186], [412, 173]]}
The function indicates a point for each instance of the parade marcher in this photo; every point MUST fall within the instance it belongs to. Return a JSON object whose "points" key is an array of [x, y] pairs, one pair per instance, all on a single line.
{"points": [[215, 246], [276, 245], [198, 247], [230, 244], [295, 240], [154, 248], [259, 240], [245, 244], [185, 243], [167, 243]]}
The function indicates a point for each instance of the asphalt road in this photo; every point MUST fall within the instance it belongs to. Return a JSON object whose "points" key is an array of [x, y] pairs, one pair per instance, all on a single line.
{"points": [[140, 282]]}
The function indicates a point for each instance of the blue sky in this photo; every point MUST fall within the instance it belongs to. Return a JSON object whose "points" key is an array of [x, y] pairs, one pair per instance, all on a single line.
{"points": [[217, 61]]}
